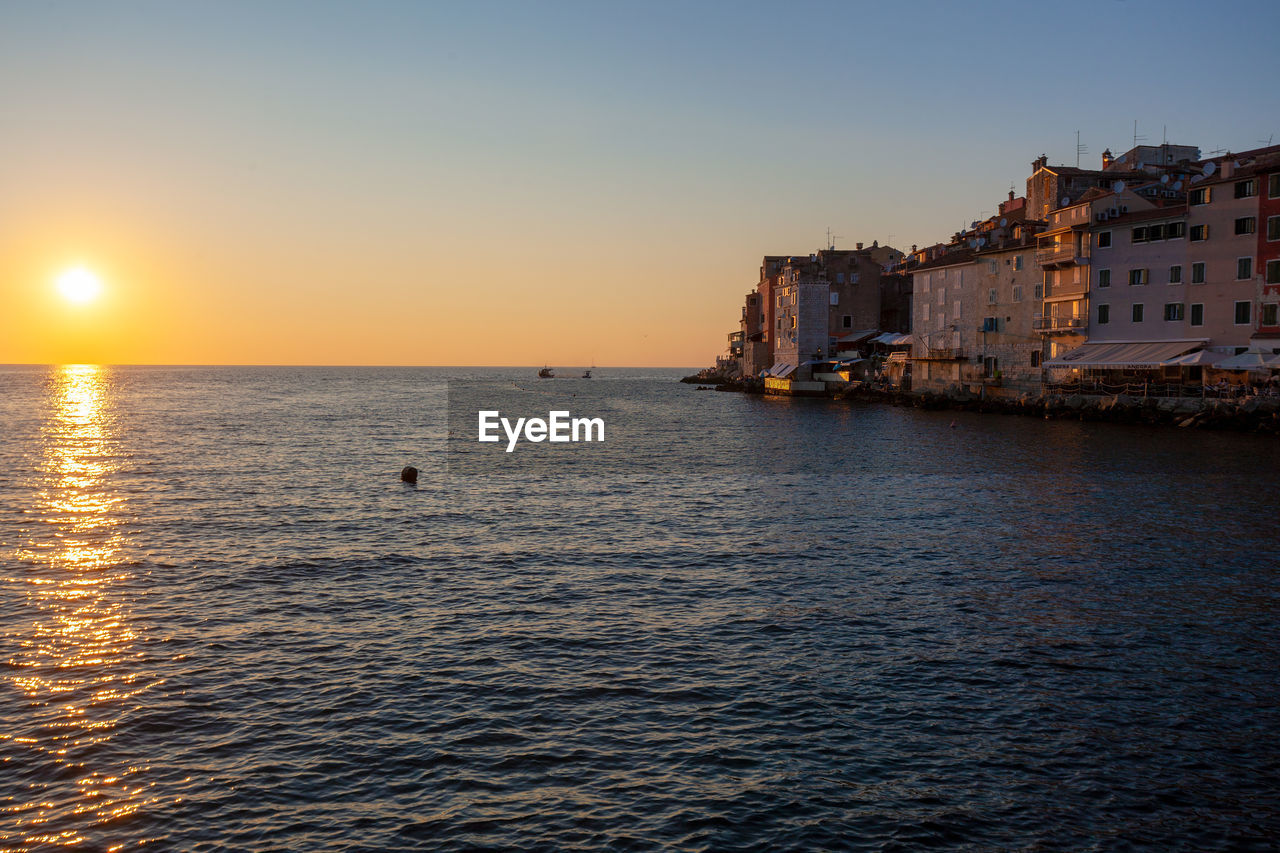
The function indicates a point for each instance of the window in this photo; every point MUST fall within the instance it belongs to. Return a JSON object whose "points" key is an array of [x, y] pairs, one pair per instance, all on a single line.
{"points": [[1198, 196], [1173, 311], [1104, 240], [1035, 358], [1197, 313], [1273, 227], [1244, 268], [1273, 272], [835, 298], [1175, 230], [1199, 233], [1197, 272], [839, 278], [991, 296], [855, 277], [1039, 291], [1137, 312], [1246, 189], [1270, 314], [991, 267], [1246, 225], [846, 322], [1137, 276], [990, 324], [1017, 293], [1104, 314], [1175, 274], [1104, 278], [924, 311], [1155, 232], [793, 322], [1244, 313], [1273, 186], [1139, 234], [1017, 260]]}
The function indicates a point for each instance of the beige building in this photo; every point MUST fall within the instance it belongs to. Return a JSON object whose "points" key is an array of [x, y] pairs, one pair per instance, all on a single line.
{"points": [[1008, 285]]}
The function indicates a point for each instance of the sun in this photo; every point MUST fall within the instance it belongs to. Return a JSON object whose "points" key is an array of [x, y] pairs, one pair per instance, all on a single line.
{"points": [[79, 285]]}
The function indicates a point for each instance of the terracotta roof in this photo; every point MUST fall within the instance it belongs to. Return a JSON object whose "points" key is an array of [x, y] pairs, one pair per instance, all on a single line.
{"points": [[959, 256], [1146, 215]]}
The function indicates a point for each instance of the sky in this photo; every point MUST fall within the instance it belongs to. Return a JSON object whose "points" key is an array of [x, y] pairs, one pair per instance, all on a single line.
{"points": [[528, 183]]}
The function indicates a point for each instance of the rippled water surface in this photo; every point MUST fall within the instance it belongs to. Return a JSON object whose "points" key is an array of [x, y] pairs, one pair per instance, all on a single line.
{"points": [[736, 624]]}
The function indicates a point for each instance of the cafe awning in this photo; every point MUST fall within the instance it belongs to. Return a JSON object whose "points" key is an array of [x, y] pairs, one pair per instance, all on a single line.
{"points": [[1118, 355]]}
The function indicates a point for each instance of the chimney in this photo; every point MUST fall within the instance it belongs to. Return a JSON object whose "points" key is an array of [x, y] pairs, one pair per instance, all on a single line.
{"points": [[1107, 159], [1011, 195], [859, 247]]}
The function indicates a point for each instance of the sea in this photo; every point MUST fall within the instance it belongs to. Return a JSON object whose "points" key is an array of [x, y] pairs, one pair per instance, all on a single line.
{"points": [[733, 623]]}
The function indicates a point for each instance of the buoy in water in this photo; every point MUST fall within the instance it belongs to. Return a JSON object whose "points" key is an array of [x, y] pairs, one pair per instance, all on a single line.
{"points": [[409, 474]]}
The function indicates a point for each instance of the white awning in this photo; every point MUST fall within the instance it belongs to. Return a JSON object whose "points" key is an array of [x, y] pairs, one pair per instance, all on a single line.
{"points": [[1139, 354], [780, 370], [891, 339]]}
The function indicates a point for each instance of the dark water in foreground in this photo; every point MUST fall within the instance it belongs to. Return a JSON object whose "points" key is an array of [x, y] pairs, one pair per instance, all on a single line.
{"points": [[738, 624]]}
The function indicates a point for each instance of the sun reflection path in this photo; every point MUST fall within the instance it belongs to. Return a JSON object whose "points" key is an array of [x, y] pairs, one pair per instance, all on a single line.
{"points": [[73, 657]]}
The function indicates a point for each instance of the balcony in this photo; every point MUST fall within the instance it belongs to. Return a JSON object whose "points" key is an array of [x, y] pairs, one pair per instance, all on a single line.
{"points": [[1063, 255], [1058, 325]]}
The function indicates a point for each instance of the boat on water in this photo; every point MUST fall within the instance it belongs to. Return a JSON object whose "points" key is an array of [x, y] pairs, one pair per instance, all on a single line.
{"points": [[586, 374], [546, 373]]}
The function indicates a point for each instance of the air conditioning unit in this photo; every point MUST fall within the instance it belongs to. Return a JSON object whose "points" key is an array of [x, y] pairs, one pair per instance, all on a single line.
{"points": [[1102, 217], [1113, 212], [1124, 208]]}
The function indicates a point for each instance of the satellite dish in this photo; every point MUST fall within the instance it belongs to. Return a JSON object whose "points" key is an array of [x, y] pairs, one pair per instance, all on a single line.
{"points": [[1118, 186], [973, 224], [1177, 185], [1141, 165], [982, 241], [1164, 179], [1197, 178], [1003, 222], [1066, 200], [1210, 168]]}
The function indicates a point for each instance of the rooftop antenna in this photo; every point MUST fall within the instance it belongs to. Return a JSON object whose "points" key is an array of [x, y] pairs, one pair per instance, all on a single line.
{"points": [[1267, 144], [831, 240], [1136, 137], [1080, 149]]}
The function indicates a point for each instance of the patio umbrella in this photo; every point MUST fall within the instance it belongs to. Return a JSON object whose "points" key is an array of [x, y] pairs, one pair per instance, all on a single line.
{"points": [[1249, 360], [1199, 358]]}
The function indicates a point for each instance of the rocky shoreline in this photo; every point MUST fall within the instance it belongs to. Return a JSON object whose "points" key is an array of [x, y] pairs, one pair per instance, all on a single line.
{"points": [[1250, 414]]}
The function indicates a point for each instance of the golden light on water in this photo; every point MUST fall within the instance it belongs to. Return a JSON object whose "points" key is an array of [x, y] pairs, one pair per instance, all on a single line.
{"points": [[76, 661]]}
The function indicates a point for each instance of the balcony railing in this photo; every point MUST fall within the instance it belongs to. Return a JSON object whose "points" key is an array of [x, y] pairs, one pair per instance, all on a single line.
{"points": [[1058, 255], [1042, 323]]}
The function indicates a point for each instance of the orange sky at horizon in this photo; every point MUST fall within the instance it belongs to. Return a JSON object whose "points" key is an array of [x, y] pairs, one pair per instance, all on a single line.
{"points": [[504, 183]]}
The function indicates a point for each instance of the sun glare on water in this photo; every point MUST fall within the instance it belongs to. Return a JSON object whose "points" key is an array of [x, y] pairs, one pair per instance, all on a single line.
{"points": [[79, 285]]}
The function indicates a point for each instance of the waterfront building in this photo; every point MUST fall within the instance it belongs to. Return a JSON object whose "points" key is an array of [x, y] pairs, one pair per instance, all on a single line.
{"points": [[1267, 336], [1064, 255], [1008, 288], [942, 339], [802, 300], [1140, 315], [1222, 248]]}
